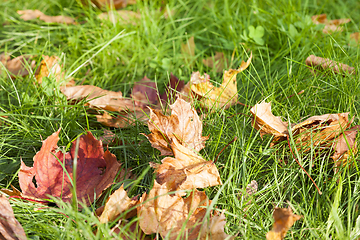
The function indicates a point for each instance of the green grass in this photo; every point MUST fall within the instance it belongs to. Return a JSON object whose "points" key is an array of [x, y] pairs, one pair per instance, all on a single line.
{"points": [[152, 48]]}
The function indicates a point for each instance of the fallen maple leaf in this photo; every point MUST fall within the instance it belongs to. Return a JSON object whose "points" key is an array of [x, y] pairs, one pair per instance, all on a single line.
{"points": [[342, 146], [284, 219], [120, 16], [10, 228], [187, 170], [215, 98], [160, 212], [214, 230], [266, 122], [96, 170], [17, 66], [175, 86], [217, 62], [330, 25], [33, 14], [184, 124], [320, 63], [117, 204]]}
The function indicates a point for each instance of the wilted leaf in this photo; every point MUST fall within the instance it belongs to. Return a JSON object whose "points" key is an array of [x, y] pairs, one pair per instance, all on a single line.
{"points": [[215, 98], [96, 170], [17, 66], [10, 228], [217, 62], [50, 67], [330, 25], [183, 124], [284, 219], [117, 204], [343, 144], [266, 122], [122, 16], [145, 93], [166, 214], [187, 170], [322, 64], [33, 14]]}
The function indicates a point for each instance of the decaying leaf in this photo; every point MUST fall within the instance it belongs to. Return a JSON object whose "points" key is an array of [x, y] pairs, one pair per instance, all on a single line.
{"points": [[322, 64], [184, 124], [187, 170], [50, 67], [96, 170], [117, 204], [266, 122], [344, 145], [330, 25], [166, 214], [215, 98], [10, 228], [18, 66], [33, 14], [284, 219], [217, 62], [122, 16]]}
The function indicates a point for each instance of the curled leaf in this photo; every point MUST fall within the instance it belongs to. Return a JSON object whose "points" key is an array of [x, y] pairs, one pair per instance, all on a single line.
{"points": [[320, 63], [215, 98], [18, 66], [266, 122]]}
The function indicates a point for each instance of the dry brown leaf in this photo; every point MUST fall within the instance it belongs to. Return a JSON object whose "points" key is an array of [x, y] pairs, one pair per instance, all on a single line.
{"points": [[266, 122], [50, 67], [284, 219], [217, 62], [187, 170], [341, 147], [117, 204], [10, 228], [215, 98], [322, 64], [183, 124], [319, 130], [33, 14], [188, 50], [17, 66], [330, 25], [13, 192], [215, 229], [166, 214], [121, 16]]}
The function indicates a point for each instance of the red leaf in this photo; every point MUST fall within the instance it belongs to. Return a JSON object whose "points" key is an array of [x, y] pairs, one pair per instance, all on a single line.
{"points": [[51, 179]]}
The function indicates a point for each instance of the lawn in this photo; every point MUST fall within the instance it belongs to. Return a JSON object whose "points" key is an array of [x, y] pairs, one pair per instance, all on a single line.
{"points": [[115, 55]]}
